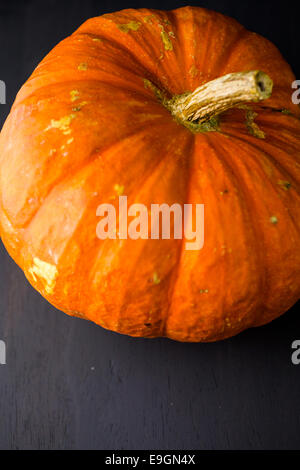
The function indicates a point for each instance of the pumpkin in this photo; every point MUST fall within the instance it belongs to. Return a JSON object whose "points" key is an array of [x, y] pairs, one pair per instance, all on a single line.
{"points": [[163, 107]]}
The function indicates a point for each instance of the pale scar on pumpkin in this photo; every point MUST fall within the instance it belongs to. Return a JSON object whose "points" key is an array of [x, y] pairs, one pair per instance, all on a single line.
{"points": [[157, 92], [74, 95], [82, 66], [286, 185], [225, 250], [224, 192], [193, 71], [46, 271], [274, 220], [132, 26], [62, 124], [148, 19], [155, 278], [119, 189], [79, 106]]}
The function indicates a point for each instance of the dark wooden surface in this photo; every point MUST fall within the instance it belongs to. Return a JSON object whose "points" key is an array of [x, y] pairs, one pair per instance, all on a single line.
{"points": [[69, 384]]}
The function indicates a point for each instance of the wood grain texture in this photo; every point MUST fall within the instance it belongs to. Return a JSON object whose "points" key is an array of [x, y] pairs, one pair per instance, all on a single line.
{"points": [[69, 384]]}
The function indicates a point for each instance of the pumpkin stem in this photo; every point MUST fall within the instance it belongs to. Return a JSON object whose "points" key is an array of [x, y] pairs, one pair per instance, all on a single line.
{"points": [[217, 96]]}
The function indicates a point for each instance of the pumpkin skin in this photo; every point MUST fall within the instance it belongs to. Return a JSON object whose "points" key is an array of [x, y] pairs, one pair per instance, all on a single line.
{"points": [[85, 125]]}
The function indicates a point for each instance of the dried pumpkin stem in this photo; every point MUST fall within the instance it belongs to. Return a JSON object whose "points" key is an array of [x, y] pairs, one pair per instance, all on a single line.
{"points": [[219, 95]]}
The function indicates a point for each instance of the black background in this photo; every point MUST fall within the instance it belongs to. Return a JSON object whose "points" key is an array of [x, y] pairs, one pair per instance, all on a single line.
{"points": [[69, 384]]}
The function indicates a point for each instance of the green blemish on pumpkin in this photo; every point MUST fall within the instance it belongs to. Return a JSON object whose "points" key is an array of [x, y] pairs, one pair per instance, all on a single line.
{"points": [[252, 126], [148, 19], [286, 185], [244, 106], [193, 71], [212, 125], [132, 26], [203, 291], [155, 278], [284, 111], [82, 66], [119, 189], [166, 40], [74, 95], [79, 106], [226, 191], [157, 92], [273, 220], [62, 124]]}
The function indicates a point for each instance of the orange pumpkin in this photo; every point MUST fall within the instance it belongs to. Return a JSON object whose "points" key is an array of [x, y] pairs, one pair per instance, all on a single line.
{"points": [[108, 112]]}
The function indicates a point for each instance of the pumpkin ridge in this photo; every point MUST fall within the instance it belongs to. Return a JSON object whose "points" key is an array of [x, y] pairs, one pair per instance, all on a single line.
{"points": [[139, 93], [121, 311], [265, 175], [89, 160], [155, 67], [259, 230], [48, 58], [60, 180], [285, 112], [286, 174], [171, 274], [119, 46], [242, 190], [283, 143], [276, 165], [246, 196], [241, 36], [173, 277], [188, 336], [279, 136]]}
